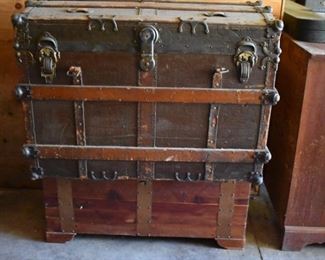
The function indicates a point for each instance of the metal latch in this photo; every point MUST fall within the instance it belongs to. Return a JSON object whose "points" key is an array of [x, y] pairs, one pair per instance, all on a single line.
{"points": [[48, 56], [149, 35], [246, 58]]}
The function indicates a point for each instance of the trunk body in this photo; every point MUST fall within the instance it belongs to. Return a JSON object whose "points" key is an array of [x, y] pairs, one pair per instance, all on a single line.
{"points": [[146, 97]]}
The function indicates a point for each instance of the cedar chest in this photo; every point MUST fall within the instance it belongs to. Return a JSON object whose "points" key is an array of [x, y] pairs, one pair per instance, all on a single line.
{"points": [[147, 118]]}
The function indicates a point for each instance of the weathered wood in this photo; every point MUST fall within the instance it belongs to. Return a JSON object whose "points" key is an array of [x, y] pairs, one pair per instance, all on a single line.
{"points": [[145, 4], [65, 203], [146, 94], [145, 113], [179, 209], [59, 237], [167, 154], [295, 238], [231, 243], [210, 4]]}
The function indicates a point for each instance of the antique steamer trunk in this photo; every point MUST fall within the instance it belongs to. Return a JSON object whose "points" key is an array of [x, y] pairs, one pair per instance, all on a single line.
{"points": [[147, 119]]}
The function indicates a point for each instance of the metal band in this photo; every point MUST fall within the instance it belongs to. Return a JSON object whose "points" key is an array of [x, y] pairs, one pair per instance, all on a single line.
{"points": [[79, 114], [146, 94], [65, 202], [144, 204], [36, 171], [29, 121], [146, 154], [213, 122], [226, 209]]}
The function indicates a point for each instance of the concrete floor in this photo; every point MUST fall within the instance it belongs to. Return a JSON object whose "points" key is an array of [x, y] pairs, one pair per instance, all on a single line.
{"points": [[22, 226]]}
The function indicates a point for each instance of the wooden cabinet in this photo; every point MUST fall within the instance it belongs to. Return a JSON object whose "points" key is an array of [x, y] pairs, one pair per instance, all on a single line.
{"points": [[295, 177]]}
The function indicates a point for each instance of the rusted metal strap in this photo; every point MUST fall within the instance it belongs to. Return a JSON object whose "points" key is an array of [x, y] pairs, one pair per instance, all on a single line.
{"points": [[145, 94], [29, 121], [37, 171], [145, 154], [226, 209], [65, 202], [79, 114], [144, 204], [213, 122]]}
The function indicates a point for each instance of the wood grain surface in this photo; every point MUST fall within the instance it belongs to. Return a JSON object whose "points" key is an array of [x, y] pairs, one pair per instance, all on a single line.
{"points": [[295, 177], [179, 209], [14, 170]]}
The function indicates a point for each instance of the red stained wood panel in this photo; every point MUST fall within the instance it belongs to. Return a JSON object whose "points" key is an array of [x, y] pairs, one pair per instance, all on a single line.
{"points": [[179, 209]]}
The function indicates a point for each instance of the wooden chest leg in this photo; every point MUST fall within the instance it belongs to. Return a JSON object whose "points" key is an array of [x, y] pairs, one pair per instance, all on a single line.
{"points": [[230, 233], [60, 225], [231, 243], [296, 238], [59, 237]]}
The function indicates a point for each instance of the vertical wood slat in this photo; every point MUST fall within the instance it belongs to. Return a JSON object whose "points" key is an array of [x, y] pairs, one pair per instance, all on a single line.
{"points": [[146, 137], [226, 209], [144, 208], [65, 202]]}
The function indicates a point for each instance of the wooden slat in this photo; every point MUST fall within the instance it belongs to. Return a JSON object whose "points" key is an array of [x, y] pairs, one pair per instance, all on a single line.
{"points": [[106, 216], [277, 5], [116, 191], [196, 214], [226, 209], [151, 154], [188, 230], [198, 192], [149, 5], [122, 229], [65, 203], [146, 94], [53, 224]]}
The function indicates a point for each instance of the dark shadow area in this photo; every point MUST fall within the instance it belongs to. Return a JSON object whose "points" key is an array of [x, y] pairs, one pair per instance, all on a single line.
{"points": [[262, 221], [198, 242], [22, 214]]}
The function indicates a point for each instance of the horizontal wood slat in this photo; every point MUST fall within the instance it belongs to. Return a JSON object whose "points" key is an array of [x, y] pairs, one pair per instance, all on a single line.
{"points": [[150, 154], [277, 5], [150, 5], [146, 94]]}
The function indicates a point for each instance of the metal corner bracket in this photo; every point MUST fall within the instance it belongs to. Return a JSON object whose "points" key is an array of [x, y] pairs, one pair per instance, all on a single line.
{"points": [[37, 173], [30, 152], [263, 156], [256, 178]]}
